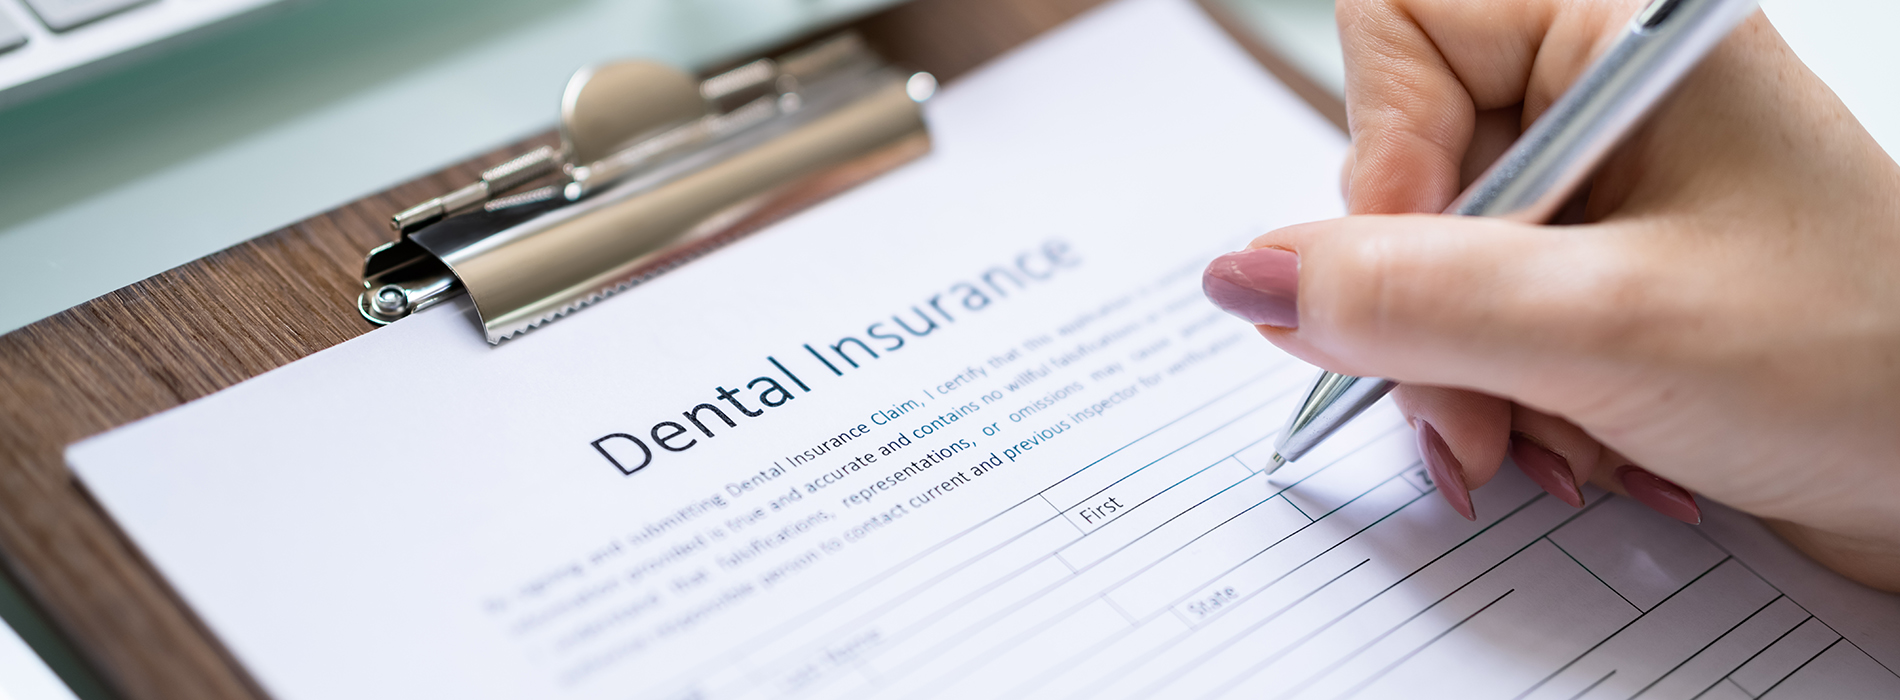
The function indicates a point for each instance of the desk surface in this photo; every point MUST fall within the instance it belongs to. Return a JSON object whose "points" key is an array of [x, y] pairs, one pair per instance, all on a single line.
{"points": [[174, 158]]}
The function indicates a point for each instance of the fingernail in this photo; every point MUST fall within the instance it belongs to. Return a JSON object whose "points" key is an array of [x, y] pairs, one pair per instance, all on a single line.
{"points": [[1661, 495], [1445, 470], [1261, 286], [1549, 469]]}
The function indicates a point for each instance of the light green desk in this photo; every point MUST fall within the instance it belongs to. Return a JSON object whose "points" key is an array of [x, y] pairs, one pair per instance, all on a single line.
{"points": [[313, 105]]}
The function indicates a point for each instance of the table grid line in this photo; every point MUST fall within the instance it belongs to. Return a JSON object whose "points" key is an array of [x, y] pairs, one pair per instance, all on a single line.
{"points": [[739, 652], [1395, 584], [1751, 569], [1619, 630], [1797, 669], [1713, 642], [1374, 678], [1593, 574]]}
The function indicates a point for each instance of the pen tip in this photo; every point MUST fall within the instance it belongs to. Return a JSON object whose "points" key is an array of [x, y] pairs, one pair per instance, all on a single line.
{"points": [[1278, 462]]}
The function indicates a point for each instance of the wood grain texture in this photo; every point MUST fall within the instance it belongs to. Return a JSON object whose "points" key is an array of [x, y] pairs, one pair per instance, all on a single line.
{"points": [[233, 315], [140, 350]]}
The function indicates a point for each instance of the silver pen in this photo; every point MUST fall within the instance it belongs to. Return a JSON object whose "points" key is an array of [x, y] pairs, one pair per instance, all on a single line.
{"points": [[1534, 179]]}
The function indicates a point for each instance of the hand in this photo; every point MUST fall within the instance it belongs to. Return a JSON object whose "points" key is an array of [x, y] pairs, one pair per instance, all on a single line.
{"points": [[1727, 316]]}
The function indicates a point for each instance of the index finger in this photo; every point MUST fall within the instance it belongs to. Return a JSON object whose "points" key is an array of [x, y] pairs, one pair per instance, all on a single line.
{"points": [[1419, 71]]}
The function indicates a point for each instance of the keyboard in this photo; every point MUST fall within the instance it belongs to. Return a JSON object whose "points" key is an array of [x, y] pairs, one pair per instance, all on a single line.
{"points": [[45, 44]]}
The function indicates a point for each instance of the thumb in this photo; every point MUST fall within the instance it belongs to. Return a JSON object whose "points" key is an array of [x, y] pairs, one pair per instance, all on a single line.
{"points": [[1498, 307]]}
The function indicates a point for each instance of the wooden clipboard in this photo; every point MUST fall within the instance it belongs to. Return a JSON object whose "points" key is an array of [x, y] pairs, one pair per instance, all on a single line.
{"points": [[238, 313]]}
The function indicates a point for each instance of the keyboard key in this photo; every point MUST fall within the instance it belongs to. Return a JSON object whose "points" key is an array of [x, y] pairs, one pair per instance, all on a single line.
{"points": [[10, 36], [62, 15]]}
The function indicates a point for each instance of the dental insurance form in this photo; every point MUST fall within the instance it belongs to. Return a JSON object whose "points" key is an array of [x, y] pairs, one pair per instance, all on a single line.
{"points": [[967, 431]]}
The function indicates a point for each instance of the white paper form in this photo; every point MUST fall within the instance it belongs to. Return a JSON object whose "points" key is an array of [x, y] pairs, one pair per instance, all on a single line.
{"points": [[970, 430]]}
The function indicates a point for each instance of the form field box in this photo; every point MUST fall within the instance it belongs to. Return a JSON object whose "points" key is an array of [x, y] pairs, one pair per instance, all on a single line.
{"points": [[1664, 637], [942, 630], [1207, 435], [1124, 496], [1176, 502], [1376, 421], [992, 548], [1326, 490], [1730, 651], [1842, 672], [1243, 535], [1418, 557], [1644, 555], [1788, 653], [1537, 610], [1310, 543], [1024, 558], [1094, 623], [1104, 663], [1295, 612], [1330, 566]]}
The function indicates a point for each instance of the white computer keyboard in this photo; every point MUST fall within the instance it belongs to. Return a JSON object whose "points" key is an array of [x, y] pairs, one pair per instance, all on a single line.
{"points": [[48, 43]]}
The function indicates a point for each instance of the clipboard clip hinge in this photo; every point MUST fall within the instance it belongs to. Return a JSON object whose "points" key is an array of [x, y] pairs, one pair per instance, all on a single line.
{"points": [[654, 168]]}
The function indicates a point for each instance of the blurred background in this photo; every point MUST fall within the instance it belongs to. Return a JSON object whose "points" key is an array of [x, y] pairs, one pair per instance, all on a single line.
{"points": [[137, 135]]}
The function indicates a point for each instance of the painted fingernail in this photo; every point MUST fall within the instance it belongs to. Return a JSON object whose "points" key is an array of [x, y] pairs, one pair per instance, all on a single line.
{"points": [[1261, 286], [1661, 495], [1445, 470], [1549, 469]]}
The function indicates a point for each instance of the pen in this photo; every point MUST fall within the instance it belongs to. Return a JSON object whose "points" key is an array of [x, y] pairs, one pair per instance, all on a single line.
{"points": [[1533, 179]]}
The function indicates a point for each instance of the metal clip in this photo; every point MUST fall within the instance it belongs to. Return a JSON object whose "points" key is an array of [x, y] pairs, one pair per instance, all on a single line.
{"points": [[690, 177]]}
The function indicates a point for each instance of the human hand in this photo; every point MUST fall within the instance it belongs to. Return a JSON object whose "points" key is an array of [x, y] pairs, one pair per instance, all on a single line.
{"points": [[1728, 317]]}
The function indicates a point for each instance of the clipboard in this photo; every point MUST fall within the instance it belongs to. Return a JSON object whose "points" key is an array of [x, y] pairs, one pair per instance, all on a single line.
{"points": [[235, 314]]}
